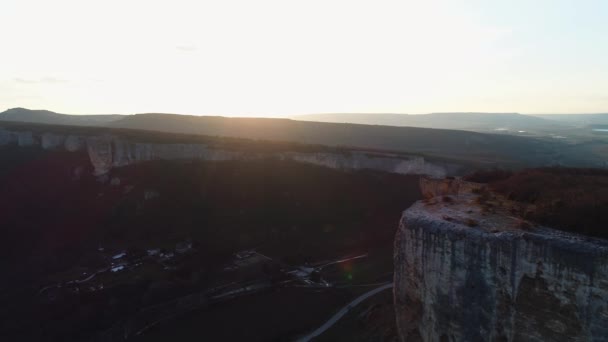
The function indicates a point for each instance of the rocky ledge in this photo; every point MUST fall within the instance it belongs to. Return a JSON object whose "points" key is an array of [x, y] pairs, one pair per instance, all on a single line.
{"points": [[468, 269]]}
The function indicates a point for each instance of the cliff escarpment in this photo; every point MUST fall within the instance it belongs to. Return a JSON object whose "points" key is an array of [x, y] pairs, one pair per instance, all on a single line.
{"points": [[108, 151], [56, 216], [467, 269]]}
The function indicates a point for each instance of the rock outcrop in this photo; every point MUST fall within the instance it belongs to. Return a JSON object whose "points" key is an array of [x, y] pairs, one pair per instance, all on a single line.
{"points": [[467, 270], [110, 151], [51, 141], [434, 187]]}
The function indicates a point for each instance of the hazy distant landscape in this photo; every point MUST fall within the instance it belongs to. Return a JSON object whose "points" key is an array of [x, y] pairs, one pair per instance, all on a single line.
{"points": [[558, 126], [146, 225], [549, 125], [102, 252], [499, 144], [304, 171]]}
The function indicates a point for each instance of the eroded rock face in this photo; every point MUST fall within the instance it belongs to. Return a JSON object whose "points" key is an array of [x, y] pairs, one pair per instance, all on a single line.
{"points": [[25, 139], [52, 141], [100, 154], [463, 273], [108, 151], [451, 186], [360, 160], [7, 137], [74, 143]]}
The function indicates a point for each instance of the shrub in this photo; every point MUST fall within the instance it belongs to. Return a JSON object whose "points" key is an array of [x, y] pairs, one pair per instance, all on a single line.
{"points": [[563, 198], [471, 223]]}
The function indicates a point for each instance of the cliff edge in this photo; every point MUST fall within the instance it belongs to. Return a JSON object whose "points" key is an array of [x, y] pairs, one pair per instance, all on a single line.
{"points": [[468, 269], [108, 151]]}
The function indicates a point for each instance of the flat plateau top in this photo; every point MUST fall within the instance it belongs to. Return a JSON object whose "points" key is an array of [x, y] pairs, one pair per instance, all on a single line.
{"points": [[490, 214]]}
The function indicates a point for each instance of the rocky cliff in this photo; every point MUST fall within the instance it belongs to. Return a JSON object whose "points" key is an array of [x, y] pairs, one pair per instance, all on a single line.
{"points": [[466, 269], [110, 151]]}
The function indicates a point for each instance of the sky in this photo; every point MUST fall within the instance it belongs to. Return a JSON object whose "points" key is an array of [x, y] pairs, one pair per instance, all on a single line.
{"points": [[284, 57]]}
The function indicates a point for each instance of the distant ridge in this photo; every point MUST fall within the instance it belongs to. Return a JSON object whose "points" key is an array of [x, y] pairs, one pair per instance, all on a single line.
{"points": [[473, 121], [462, 145], [578, 119], [441, 143], [52, 118], [447, 120]]}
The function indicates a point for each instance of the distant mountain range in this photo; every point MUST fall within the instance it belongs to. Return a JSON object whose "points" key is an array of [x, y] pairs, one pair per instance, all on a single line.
{"points": [[48, 117], [471, 121], [450, 138], [578, 119], [466, 121]]}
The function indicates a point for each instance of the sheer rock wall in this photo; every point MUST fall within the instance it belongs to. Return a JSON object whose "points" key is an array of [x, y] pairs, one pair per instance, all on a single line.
{"points": [[110, 151], [466, 271]]}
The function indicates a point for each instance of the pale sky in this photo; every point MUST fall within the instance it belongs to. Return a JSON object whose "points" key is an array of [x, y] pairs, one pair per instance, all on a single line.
{"points": [[283, 57]]}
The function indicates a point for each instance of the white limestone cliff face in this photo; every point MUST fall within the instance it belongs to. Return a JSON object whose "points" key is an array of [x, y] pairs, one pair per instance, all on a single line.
{"points": [[100, 154], [361, 160], [25, 139], [107, 152], [7, 137], [51, 141], [20, 138], [74, 143], [465, 274]]}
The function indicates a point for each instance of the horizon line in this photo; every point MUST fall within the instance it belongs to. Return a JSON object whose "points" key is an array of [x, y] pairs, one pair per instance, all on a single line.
{"points": [[308, 114]]}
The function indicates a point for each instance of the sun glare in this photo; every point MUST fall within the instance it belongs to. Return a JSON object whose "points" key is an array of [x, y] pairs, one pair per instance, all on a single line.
{"points": [[275, 58]]}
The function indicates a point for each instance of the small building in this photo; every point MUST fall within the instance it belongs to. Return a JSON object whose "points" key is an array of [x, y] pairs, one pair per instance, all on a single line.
{"points": [[117, 268], [183, 247], [119, 255], [153, 252]]}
